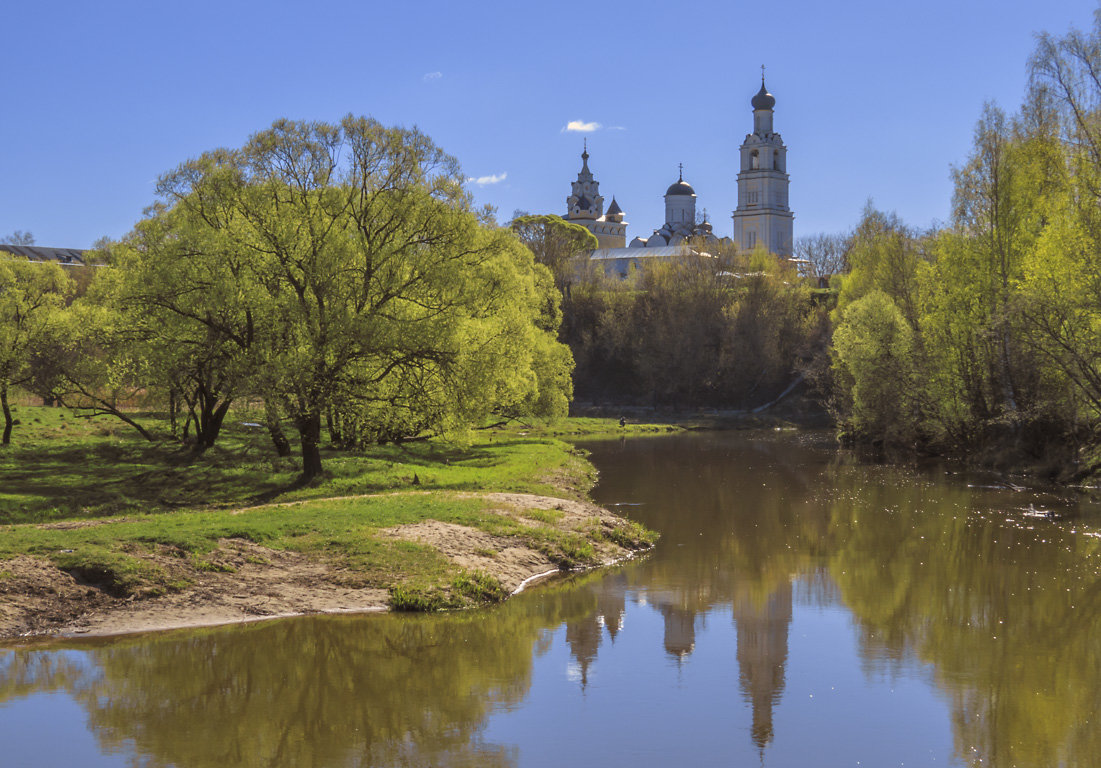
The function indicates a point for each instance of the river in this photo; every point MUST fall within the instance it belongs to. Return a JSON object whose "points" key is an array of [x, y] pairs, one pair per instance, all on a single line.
{"points": [[801, 609]]}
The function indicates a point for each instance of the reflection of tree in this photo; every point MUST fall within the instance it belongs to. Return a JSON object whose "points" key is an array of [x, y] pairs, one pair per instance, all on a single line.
{"points": [[1007, 616], [24, 673], [319, 692], [385, 690]]}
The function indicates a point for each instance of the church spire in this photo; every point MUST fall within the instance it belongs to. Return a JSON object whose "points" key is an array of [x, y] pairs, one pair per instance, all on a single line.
{"points": [[585, 201], [585, 174]]}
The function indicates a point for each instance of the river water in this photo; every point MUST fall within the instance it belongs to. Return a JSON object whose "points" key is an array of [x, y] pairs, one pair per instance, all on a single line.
{"points": [[801, 609]]}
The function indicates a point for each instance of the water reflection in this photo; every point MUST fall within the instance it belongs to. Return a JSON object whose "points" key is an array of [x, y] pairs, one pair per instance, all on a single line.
{"points": [[947, 585]]}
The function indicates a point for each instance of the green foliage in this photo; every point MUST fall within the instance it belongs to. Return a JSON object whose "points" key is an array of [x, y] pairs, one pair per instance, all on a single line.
{"points": [[336, 272], [874, 358], [630, 536], [554, 242], [725, 329], [1002, 332], [479, 587], [32, 295]]}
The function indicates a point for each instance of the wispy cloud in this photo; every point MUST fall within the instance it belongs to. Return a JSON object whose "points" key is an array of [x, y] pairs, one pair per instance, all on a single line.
{"points": [[430, 76], [580, 126], [617, 127], [482, 181]]}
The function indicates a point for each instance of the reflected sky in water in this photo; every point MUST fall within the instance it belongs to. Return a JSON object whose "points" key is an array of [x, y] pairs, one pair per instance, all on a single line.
{"points": [[800, 609]]}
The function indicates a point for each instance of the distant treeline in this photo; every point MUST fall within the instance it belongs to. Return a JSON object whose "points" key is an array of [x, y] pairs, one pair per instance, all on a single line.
{"points": [[723, 330]]}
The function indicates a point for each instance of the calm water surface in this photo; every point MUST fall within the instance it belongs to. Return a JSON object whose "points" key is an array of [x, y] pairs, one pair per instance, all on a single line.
{"points": [[800, 610]]}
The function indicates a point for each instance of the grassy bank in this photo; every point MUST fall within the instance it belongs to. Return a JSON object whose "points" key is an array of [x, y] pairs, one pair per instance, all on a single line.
{"points": [[62, 467], [132, 518]]}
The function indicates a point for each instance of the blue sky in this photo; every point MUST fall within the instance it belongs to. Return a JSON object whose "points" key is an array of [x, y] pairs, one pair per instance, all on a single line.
{"points": [[874, 99]]}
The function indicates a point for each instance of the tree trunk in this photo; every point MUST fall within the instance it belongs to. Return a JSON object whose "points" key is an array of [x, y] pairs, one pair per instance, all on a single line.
{"points": [[209, 422], [330, 423], [278, 439], [309, 428], [9, 422]]}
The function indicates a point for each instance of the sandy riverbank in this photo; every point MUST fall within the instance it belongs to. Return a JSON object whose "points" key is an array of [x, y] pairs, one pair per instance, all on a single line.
{"points": [[253, 582]]}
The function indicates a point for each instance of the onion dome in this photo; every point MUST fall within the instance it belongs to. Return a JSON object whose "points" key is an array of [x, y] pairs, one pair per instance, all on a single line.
{"points": [[681, 187], [763, 99]]}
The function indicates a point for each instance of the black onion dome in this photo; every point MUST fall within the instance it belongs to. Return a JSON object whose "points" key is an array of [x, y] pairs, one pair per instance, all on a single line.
{"points": [[763, 99], [680, 188]]}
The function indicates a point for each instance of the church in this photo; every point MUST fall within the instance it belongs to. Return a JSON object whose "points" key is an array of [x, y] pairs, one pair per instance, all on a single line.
{"points": [[762, 218]]}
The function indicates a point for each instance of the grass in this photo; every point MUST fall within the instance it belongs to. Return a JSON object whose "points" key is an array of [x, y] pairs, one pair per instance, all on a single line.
{"points": [[63, 467], [141, 519]]}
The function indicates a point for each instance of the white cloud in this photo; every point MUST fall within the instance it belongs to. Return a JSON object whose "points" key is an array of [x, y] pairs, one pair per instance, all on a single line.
{"points": [[482, 181], [430, 76], [580, 126], [616, 128]]}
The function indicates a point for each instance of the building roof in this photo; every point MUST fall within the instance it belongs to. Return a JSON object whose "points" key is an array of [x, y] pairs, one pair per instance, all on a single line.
{"points": [[70, 256], [681, 187], [667, 252], [763, 99], [614, 208]]}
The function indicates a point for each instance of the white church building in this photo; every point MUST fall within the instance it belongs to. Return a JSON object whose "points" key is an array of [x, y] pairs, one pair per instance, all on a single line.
{"points": [[762, 218]]}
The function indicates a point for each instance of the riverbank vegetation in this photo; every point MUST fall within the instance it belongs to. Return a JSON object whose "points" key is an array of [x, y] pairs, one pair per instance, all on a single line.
{"points": [[724, 329], [328, 290], [982, 337], [135, 518]]}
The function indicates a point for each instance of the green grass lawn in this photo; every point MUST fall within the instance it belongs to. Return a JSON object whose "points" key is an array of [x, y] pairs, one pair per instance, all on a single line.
{"points": [[60, 466], [161, 498]]}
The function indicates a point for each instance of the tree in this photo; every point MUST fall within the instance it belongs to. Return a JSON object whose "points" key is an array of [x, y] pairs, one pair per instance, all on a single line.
{"points": [[874, 354], [829, 254], [885, 255], [190, 319], [31, 296], [1061, 290], [358, 278], [554, 242], [18, 237]]}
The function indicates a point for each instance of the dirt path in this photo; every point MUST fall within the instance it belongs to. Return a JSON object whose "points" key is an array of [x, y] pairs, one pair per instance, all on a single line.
{"points": [[38, 599]]}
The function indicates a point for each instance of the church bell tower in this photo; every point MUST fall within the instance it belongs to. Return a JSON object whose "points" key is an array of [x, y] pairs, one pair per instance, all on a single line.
{"points": [[763, 218]]}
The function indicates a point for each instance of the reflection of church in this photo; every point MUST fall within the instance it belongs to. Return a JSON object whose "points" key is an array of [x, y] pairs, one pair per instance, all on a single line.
{"points": [[762, 218], [585, 634], [762, 653]]}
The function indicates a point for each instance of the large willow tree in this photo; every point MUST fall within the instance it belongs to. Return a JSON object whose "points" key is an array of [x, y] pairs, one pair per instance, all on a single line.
{"points": [[342, 268]]}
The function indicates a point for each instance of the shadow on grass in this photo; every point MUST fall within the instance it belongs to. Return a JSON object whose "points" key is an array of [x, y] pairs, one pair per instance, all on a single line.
{"points": [[95, 477], [67, 469]]}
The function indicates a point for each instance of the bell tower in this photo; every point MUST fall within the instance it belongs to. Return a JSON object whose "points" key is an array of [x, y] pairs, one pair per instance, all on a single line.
{"points": [[585, 206], [763, 218], [585, 201]]}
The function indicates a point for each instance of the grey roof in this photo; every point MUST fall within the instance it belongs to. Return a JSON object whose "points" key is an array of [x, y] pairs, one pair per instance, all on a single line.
{"points": [[763, 99], [667, 252], [584, 203], [71, 256], [614, 208], [680, 188]]}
